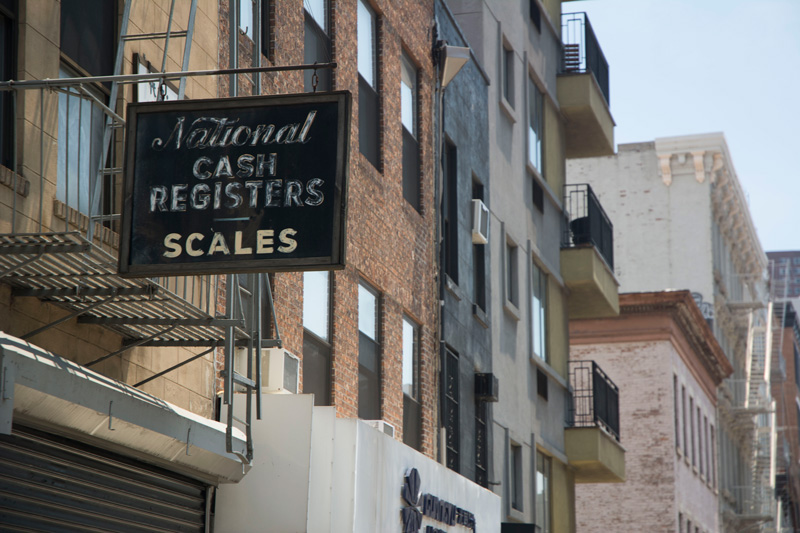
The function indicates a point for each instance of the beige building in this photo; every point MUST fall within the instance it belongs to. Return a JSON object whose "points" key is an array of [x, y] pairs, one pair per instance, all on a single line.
{"points": [[668, 364]]}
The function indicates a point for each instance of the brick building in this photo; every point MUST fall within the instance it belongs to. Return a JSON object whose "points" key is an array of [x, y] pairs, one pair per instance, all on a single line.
{"points": [[668, 365]]}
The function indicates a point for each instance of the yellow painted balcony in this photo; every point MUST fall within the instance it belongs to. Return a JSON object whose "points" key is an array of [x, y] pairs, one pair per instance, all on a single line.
{"points": [[592, 434], [583, 90], [587, 256]]}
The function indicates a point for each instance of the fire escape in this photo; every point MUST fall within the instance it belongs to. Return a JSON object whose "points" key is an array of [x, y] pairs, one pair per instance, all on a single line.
{"points": [[61, 241]]}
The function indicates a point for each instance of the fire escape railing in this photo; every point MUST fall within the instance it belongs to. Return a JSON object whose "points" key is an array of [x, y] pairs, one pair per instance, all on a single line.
{"points": [[595, 398], [581, 51], [587, 222]]}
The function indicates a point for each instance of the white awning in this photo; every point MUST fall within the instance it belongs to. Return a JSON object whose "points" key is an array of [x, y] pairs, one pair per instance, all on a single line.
{"points": [[40, 389]]}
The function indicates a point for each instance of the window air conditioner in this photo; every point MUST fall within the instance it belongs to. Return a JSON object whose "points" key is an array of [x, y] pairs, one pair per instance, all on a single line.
{"points": [[380, 425], [480, 222], [280, 370]]}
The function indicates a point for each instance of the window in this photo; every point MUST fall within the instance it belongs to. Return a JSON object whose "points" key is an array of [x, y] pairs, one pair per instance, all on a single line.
{"points": [[705, 439], [700, 450], [316, 336], [536, 15], [691, 429], [713, 457], [368, 101], [479, 258], [481, 444], [452, 414], [246, 10], [266, 29], [369, 357], [8, 54], [543, 467], [317, 44], [515, 460], [412, 414], [450, 211], [507, 74], [539, 313], [512, 278], [685, 428], [541, 384], [796, 260], [408, 117], [677, 407], [80, 147], [87, 34], [680, 522], [535, 125]]}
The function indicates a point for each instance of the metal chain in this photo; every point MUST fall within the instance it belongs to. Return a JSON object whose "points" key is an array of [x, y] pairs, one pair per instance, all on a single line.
{"points": [[314, 80]]}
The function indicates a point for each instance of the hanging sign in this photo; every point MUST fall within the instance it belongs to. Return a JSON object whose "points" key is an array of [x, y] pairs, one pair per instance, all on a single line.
{"points": [[235, 185]]}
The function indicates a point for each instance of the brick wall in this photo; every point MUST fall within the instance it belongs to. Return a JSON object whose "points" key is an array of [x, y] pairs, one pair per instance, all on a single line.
{"points": [[389, 244]]}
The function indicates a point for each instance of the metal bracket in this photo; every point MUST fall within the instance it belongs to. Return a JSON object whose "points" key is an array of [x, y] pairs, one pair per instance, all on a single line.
{"points": [[110, 416], [7, 379]]}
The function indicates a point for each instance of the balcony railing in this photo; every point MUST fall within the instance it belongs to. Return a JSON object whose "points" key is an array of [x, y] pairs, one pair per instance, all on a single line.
{"points": [[750, 395], [595, 398], [587, 222], [753, 502], [582, 53]]}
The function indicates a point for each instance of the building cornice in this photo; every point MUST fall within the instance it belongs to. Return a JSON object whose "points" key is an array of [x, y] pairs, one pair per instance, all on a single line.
{"points": [[677, 319]]}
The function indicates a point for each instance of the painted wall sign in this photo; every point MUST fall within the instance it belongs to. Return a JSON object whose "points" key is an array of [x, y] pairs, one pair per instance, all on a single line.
{"points": [[236, 185], [419, 505]]}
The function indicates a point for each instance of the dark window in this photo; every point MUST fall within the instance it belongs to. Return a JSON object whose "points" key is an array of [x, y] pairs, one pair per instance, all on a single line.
{"points": [[685, 422], [541, 384], [479, 258], [450, 212], [538, 195], [408, 117], [515, 460], [412, 412], [677, 409], [481, 444], [507, 64], [369, 354], [266, 29], [87, 34], [8, 54], [368, 99], [451, 410], [512, 276], [316, 336], [317, 44], [796, 365], [691, 430], [536, 15]]}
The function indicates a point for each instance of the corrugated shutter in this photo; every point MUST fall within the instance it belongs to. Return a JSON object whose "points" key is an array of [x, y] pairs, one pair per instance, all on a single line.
{"points": [[48, 483]]}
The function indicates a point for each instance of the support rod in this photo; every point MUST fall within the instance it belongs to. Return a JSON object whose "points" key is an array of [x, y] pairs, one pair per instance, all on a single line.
{"points": [[131, 345], [68, 317], [174, 367]]}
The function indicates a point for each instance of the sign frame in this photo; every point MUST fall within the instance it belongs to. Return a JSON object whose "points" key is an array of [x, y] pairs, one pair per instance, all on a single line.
{"points": [[342, 101]]}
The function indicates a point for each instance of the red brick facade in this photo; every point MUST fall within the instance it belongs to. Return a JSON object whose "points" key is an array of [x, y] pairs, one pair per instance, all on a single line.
{"points": [[389, 244]]}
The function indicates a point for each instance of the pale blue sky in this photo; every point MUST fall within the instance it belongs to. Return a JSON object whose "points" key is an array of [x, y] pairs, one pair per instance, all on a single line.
{"points": [[681, 67]]}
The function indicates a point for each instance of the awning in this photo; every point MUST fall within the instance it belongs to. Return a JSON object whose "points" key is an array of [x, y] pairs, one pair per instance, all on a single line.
{"points": [[44, 390]]}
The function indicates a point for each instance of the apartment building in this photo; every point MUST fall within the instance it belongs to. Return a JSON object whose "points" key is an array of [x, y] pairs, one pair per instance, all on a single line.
{"points": [[682, 222], [547, 100], [785, 383], [664, 353], [131, 376]]}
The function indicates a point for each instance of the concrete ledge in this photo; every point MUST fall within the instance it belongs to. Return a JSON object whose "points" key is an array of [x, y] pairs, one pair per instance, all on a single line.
{"points": [[596, 456]]}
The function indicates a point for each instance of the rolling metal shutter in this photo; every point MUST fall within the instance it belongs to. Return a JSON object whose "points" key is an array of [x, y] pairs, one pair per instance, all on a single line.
{"points": [[48, 483]]}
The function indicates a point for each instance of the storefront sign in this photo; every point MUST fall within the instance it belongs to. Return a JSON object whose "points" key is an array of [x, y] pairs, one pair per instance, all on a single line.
{"points": [[439, 510], [235, 185]]}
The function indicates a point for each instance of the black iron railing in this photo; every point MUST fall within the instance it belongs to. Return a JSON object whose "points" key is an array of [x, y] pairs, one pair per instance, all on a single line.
{"points": [[582, 52], [587, 222], [595, 398]]}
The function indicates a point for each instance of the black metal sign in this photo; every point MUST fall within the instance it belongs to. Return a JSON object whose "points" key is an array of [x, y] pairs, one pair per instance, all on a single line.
{"points": [[235, 185]]}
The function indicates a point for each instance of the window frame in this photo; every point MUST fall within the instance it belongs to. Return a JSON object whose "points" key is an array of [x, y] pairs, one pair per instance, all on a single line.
{"points": [[313, 340], [409, 82], [369, 101], [536, 125], [450, 211], [540, 281], [544, 495], [516, 485], [507, 77], [8, 71], [321, 37], [511, 273], [369, 411]]}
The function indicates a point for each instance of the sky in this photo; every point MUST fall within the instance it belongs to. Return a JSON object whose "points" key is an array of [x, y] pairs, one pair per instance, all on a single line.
{"points": [[683, 67]]}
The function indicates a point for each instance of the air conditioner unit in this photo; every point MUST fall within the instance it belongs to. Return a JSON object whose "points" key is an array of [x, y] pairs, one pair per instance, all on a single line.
{"points": [[280, 370], [480, 222], [380, 425], [487, 387]]}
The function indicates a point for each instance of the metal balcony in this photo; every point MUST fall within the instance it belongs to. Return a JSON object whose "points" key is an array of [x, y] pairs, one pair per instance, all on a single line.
{"points": [[595, 398], [592, 434], [583, 90], [582, 52], [588, 222]]}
